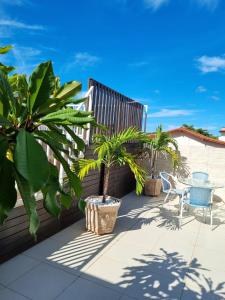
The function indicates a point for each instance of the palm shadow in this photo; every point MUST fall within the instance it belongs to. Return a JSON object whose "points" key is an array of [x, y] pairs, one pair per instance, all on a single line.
{"points": [[164, 276]]}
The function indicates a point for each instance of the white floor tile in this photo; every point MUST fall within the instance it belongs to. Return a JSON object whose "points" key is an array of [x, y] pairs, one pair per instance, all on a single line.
{"points": [[15, 267], [83, 289], [43, 282], [6, 294]]}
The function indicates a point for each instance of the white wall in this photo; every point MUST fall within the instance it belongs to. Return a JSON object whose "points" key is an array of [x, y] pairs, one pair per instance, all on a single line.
{"points": [[199, 156]]}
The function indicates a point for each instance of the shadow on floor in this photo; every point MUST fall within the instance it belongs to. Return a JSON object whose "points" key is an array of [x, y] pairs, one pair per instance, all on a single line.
{"points": [[163, 276]]}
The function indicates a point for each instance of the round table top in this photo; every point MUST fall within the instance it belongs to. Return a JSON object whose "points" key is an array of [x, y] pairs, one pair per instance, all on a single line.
{"points": [[200, 183]]}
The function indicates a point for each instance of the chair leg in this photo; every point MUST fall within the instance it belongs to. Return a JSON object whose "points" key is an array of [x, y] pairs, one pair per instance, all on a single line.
{"points": [[167, 196], [181, 214], [211, 217], [204, 215]]}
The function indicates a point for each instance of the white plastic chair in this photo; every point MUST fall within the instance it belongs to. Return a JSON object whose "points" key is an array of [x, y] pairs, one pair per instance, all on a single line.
{"points": [[200, 176], [167, 186], [198, 197]]}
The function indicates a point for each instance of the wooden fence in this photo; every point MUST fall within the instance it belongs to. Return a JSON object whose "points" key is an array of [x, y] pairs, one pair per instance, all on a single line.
{"points": [[114, 110], [111, 109]]}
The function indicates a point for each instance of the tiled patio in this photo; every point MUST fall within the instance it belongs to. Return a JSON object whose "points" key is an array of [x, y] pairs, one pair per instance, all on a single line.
{"points": [[147, 257]]}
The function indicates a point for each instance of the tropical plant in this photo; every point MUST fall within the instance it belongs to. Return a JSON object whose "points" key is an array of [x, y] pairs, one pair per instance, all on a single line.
{"points": [[202, 131], [36, 110], [162, 142], [111, 151]]}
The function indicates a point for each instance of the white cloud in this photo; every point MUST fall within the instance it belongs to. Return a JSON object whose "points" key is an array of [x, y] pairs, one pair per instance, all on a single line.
{"points": [[24, 59], [209, 64], [15, 2], [201, 89], [210, 4], [85, 59], [215, 98], [8, 25], [19, 25], [139, 64], [157, 92], [168, 113], [155, 4]]}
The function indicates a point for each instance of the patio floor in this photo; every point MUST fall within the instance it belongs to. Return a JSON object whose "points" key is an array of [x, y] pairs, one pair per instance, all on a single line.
{"points": [[147, 257]]}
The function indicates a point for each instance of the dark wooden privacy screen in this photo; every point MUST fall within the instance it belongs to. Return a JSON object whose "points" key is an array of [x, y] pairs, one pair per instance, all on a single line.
{"points": [[111, 109], [114, 110]]}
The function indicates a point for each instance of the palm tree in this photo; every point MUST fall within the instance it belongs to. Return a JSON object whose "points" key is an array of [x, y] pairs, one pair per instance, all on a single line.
{"points": [[162, 142], [111, 151]]}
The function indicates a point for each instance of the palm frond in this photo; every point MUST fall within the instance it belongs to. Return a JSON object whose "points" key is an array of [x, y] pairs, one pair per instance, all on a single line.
{"points": [[138, 172], [86, 165]]}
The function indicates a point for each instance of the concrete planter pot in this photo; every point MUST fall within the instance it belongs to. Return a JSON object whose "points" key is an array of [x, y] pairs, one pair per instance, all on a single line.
{"points": [[152, 187], [101, 217]]}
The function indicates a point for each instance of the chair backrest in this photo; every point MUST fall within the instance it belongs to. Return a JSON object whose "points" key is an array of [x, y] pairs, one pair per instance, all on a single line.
{"points": [[200, 196], [165, 178], [201, 176]]}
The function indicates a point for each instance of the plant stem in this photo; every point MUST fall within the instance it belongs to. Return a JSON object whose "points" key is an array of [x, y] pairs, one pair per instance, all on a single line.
{"points": [[153, 163], [106, 184]]}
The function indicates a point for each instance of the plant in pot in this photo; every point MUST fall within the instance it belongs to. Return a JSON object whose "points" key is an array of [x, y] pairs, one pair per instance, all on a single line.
{"points": [[34, 110], [161, 142], [101, 211]]}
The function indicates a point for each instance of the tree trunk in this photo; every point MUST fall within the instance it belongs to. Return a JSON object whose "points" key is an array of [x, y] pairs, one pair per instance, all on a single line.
{"points": [[153, 164], [106, 184]]}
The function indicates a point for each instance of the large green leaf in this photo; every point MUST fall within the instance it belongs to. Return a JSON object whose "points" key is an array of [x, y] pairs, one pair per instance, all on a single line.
{"points": [[73, 121], [65, 114], [5, 49], [47, 138], [3, 148], [41, 86], [66, 200], [4, 122], [68, 90], [50, 192], [6, 69], [73, 179], [30, 160], [8, 193], [80, 143], [6, 96], [29, 202]]}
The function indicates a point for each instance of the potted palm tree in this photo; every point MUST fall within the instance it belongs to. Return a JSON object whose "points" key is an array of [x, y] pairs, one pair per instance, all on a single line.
{"points": [[160, 143], [101, 211], [34, 110]]}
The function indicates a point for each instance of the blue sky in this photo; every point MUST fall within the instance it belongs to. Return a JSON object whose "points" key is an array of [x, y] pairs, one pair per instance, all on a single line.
{"points": [[167, 54]]}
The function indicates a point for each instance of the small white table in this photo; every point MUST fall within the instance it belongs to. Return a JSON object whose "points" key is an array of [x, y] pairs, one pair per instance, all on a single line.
{"points": [[201, 184]]}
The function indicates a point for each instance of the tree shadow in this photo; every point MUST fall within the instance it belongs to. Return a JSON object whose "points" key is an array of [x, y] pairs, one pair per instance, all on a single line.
{"points": [[164, 276]]}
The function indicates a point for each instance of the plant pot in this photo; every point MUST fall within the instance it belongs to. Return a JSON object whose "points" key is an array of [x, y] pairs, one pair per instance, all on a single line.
{"points": [[101, 217], [152, 187]]}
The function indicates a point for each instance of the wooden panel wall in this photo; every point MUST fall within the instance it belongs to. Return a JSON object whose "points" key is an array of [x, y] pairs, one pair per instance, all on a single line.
{"points": [[114, 110]]}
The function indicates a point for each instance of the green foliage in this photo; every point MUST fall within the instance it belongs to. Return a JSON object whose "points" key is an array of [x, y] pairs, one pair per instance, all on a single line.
{"points": [[3, 68], [162, 142], [111, 151], [200, 130], [36, 109]]}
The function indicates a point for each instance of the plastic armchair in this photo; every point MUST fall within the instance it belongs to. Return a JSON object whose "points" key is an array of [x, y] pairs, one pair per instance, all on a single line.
{"points": [[198, 197], [201, 176], [169, 186]]}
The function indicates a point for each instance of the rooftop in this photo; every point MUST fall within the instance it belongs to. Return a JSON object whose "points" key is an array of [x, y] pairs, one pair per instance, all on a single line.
{"points": [[191, 133], [147, 257]]}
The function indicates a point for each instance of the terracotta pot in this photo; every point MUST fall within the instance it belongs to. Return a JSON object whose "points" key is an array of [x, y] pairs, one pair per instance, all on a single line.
{"points": [[152, 187], [101, 217]]}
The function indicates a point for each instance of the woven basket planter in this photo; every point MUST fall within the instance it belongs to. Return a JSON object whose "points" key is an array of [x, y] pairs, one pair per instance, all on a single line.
{"points": [[152, 187], [101, 217]]}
